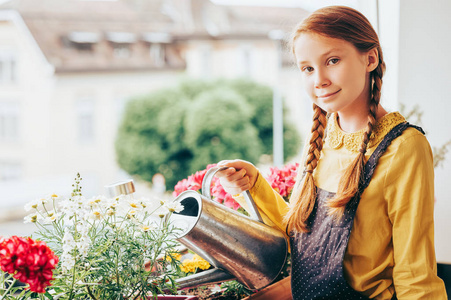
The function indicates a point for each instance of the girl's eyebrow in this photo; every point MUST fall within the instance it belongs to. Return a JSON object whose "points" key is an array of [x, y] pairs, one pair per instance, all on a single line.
{"points": [[322, 55]]}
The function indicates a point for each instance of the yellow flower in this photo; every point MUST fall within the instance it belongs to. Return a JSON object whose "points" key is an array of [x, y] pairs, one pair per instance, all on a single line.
{"points": [[201, 263], [191, 265], [188, 266], [173, 256], [95, 215]]}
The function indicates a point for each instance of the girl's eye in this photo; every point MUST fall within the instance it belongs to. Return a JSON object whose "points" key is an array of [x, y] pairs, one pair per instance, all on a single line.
{"points": [[333, 61], [307, 69]]}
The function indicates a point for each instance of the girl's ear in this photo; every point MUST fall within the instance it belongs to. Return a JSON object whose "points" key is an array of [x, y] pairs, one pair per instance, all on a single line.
{"points": [[372, 60]]}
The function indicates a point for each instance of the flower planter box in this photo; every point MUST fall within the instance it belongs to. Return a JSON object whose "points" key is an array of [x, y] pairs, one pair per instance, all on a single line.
{"points": [[280, 290]]}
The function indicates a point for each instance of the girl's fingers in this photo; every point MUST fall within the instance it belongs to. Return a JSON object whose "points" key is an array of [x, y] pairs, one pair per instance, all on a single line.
{"points": [[236, 186], [225, 173], [235, 176], [239, 176], [237, 190]]}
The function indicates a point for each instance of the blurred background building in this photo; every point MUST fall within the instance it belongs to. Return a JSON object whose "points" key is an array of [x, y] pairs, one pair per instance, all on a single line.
{"points": [[68, 67]]}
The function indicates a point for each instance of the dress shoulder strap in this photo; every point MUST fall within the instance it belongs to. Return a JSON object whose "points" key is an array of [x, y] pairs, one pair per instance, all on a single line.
{"points": [[370, 166]]}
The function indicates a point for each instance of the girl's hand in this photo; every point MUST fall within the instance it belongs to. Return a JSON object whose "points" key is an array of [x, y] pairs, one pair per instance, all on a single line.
{"points": [[238, 177]]}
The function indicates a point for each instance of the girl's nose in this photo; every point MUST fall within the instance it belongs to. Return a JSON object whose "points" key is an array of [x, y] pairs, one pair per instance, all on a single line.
{"points": [[321, 80]]}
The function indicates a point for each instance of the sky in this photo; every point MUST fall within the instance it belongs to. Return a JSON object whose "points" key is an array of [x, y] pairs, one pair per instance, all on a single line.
{"points": [[309, 5]]}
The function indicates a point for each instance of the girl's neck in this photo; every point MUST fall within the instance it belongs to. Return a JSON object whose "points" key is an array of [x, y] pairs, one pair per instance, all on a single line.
{"points": [[357, 119]]}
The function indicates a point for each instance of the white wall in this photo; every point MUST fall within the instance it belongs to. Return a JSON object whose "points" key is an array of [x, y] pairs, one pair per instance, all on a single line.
{"points": [[416, 40], [424, 79], [96, 159], [225, 59]]}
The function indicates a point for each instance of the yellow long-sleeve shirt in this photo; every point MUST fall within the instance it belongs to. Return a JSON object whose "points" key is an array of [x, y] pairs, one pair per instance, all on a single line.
{"points": [[391, 246]]}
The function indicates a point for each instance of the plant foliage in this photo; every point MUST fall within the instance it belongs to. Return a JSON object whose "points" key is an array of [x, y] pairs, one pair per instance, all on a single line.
{"points": [[177, 131]]}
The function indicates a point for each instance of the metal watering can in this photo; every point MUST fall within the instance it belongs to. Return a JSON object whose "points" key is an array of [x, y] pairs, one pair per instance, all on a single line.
{"points": [[239, 247]]}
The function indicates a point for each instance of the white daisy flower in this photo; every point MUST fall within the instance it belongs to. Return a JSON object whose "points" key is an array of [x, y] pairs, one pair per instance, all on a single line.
{"points": [[95, 215], [55, 197], [162, 211], [174, 206], [31, 218], [149, 227], [34, 204], [49, 219]]}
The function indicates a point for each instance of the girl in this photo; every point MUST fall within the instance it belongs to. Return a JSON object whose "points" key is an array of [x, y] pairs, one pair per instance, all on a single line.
{"points": [[360, 217]]}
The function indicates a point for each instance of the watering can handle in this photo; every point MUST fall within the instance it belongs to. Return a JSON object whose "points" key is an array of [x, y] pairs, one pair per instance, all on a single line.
{"points": [[206, 186]]}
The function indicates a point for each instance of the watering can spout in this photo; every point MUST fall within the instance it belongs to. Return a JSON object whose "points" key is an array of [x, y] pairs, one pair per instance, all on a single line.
{"points": [[206, 277]]}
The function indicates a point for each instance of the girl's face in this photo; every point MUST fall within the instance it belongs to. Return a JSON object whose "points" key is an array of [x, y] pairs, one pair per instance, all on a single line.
{"points": [[334, 73]]}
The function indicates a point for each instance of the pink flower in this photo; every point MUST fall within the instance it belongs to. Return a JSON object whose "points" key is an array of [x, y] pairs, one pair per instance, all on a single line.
{"points": [[221, 196], [29, 261], [194, 182], [180, 187], [283, 180], [230, 202]]}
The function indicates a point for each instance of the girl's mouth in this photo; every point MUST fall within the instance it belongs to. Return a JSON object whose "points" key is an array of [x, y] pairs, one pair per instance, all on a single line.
{"points": [[328, 95]]}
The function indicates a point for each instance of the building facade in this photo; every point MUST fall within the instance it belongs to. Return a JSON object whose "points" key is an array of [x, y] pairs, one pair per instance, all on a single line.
{"points": [[68, 68]]}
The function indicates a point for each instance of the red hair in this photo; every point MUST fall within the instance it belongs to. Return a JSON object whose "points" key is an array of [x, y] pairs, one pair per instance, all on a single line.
{"points": [[347, 24]]}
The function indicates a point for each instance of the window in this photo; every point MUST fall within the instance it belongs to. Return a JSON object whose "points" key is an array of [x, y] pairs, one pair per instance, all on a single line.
{"points": [[10, 171], [121, 50], [157, 42], [121, 103], [157, 54], [206, 57], [245, 60], [121, 42], [9, 121], [82, 40], [8, 66], [85, 120]]}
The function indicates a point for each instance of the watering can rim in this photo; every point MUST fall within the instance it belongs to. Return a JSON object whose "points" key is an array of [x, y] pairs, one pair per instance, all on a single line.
{"points": [[198, 198]]}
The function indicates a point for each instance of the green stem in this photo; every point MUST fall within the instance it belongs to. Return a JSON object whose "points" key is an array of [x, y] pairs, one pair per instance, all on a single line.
{"points": [[9, 288], [72, 287], [90, 293], [117, 262]]}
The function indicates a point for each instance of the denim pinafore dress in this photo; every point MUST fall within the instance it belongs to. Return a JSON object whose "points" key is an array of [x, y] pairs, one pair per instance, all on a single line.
{"points": [[317, 256]]}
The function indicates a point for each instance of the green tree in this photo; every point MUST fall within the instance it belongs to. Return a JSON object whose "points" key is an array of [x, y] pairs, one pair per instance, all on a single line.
{"points": [[178, 131]]}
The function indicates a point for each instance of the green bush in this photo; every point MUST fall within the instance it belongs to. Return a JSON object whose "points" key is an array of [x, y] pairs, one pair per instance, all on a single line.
{"points": [[180, 130]]}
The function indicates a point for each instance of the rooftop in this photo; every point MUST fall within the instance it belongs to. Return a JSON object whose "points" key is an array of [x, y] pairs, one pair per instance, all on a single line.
{"points": [[80, 35]]}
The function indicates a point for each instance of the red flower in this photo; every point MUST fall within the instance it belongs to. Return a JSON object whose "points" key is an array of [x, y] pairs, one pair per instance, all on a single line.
{"points": [[29, 261]]}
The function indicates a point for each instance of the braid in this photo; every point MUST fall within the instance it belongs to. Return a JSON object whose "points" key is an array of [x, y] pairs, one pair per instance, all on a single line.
{"points": [[303, 197], [349, 182], [376, 78]]}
